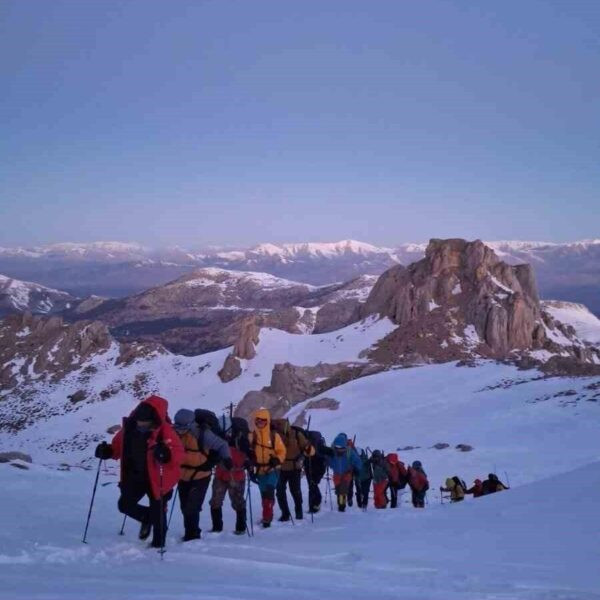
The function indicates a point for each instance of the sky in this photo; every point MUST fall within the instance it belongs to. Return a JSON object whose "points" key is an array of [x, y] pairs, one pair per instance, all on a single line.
{"points": [[237, 122]]}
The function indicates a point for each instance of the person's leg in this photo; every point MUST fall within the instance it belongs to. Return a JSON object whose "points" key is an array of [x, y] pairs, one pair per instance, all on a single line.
{"points": [[267, 484], [158, 518], [219, 489], [393, 495], [238, 503], [192, 507], [350, 490], [295, 478], [131, 493], [282, 500]]}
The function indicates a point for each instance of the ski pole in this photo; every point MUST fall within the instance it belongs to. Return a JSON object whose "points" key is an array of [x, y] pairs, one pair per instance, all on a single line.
{"points": [[87, 524], [122, 532], [251, 520], [172, 507], [163, 533]]}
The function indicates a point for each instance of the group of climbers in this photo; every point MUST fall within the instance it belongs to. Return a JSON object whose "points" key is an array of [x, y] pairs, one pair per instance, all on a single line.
{"points": [[157, 456], [458, 489]]}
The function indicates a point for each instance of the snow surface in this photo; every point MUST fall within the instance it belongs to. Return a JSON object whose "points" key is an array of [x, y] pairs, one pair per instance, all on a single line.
{"points": [[585, 323], [539, 541]]}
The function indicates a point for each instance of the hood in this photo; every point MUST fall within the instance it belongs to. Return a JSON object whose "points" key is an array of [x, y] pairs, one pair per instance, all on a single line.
{"points": [[261, 413], [392, 458], [160, 406], [341, 441], [184, 420], [450, 482], [477, 482]]}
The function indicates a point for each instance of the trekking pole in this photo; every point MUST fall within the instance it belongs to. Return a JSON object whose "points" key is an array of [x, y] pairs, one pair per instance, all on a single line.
{"points": [[87, 524], [251, 520], [122, 532], [172, 507], [163, 533], [329, 489], [310, 481]]}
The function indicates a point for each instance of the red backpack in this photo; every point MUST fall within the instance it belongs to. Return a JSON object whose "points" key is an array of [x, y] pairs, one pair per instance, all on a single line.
{"points": [[418, 480]]}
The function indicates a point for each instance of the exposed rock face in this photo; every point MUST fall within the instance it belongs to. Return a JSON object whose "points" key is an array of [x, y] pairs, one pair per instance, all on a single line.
{"points": [[291, 385], [460, 284], [245, 346], [231, 369]]}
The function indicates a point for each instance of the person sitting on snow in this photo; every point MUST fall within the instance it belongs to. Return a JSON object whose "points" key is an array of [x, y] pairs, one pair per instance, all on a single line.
{"points": [[150, 453]]}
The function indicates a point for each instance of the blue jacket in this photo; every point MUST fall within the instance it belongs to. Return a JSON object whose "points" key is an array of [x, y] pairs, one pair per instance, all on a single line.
{"points": [[342, 463]]}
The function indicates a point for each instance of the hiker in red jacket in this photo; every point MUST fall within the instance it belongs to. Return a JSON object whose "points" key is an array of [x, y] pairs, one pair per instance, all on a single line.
{"points": [[476, 489], [397, 477], [150, 453], [417, 480]]}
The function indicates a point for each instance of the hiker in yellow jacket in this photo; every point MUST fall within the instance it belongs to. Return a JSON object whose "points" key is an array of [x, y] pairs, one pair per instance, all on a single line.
{"points": [[456, 487], [268, 454]]}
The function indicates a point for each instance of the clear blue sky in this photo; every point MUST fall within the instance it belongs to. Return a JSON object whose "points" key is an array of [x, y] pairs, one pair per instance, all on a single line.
{"points": [[234, 122]]}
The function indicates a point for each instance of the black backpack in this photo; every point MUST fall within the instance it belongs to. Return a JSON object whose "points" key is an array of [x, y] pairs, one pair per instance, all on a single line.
{"points": [[239, 426], [316, 439], [208, 419]]}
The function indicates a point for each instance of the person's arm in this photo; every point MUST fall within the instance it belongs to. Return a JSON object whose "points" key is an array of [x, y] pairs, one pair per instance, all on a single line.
{"points": [[280, 450], [307, 448]]}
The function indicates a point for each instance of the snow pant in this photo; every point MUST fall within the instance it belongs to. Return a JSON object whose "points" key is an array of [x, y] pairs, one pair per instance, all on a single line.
{"points": [[293, 478], [191, 498], [351, 490], [267, 483], [132, 492], [315, 470], [236, 490], [394, 487], [362, 492], [380, 499], [342, 485], [418, 498]]}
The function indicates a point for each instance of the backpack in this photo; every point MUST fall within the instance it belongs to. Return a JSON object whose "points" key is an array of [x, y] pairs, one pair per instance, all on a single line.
{"points": [[418, 480], [402, 475], [207, 418], [458, 481], [239, 426], [316, 439]]}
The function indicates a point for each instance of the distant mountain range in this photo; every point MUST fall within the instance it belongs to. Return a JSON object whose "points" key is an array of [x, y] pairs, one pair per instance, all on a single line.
{"points": [[566, 271]]}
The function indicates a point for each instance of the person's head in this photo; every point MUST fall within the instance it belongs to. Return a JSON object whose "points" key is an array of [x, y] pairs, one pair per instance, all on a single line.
{"points": [[417, 464], [145, 418], [492, 477], [340, 443], [478, 482], [184, 421], [261, 422]]}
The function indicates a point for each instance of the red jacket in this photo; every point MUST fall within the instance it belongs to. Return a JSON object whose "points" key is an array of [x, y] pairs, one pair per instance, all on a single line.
{"points": [[237, 473], [165, 433]]}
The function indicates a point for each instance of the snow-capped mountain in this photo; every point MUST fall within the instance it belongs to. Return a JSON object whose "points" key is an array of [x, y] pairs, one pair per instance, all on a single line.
{"points": [[570, 271], [578, 316], [20, 296]]}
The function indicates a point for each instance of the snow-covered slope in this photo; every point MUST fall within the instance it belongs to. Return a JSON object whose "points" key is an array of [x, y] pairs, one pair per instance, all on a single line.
{"points": [[21, 296], [586, 324], [536, 542]]}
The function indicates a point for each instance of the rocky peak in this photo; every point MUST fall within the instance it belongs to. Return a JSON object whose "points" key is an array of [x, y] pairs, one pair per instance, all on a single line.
{"points": [[461, 293]]}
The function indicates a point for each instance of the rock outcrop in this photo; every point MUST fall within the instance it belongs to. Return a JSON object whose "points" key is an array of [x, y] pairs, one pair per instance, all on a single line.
{"points": [[460, 294], [231, 369]]}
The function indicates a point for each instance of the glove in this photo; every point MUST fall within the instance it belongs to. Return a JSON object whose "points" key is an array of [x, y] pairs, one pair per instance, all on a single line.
{"points": [[103, 451], [227, 463], [274, 462], [162, 454]]}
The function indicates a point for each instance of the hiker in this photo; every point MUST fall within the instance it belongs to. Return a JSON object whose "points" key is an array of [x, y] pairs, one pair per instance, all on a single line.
{"points": [[352, 476], [397, 477], [476, 489], [380, 479], [492, 485], [150, 453], [343, 461], [417, 480], [363, 479], [297, 447], [268, 452], [315, 467], [232, 481], [203, 449], [456, 487]]}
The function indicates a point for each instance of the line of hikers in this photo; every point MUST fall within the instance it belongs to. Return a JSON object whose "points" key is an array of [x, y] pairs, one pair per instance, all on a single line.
{"points": [[158, 456]]}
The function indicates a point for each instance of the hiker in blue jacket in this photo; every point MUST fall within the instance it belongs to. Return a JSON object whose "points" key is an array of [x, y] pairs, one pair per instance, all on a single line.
{"points": [[343, 461]]}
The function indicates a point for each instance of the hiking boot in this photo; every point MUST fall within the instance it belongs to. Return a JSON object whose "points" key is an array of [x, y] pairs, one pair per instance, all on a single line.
{"points": [[240, 522], [191, 535], [217, 520], [284, 518], [145, 530], [236, 532], [299, 515], [266, 524], [314, 509]]}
